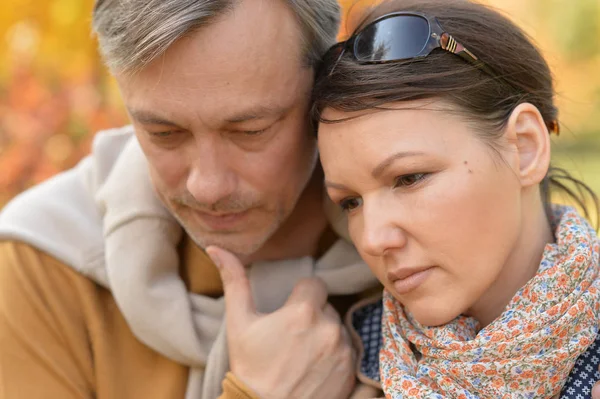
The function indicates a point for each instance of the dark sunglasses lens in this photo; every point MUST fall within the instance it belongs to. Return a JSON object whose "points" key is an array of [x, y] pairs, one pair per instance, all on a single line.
{"points": [[394, 38]]}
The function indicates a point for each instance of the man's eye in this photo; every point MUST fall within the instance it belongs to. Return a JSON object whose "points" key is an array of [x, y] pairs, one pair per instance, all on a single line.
{"points": [[168, 138], [254, 132], [162, 135], [351, 203], [409, 180]]}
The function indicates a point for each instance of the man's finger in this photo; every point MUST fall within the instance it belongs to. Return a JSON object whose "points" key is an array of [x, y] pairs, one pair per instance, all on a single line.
{"points": [[309, 290], [239, 304], [331, 314]]}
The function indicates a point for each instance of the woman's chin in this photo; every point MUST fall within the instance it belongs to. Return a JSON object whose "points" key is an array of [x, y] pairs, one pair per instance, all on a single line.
{"points": [[430, 315]]}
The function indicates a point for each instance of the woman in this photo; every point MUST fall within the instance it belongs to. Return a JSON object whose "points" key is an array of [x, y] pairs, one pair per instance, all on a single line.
{"points": [[434, 130]]}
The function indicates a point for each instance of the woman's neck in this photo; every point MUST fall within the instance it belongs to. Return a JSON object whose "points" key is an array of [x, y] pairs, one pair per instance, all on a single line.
{"points": [[520, 267]]}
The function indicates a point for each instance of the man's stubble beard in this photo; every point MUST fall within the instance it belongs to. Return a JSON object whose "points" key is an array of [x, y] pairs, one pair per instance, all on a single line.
{"points": [[222, 241]]}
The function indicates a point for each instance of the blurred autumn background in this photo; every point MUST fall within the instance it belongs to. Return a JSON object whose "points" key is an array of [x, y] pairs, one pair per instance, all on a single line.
{"points": [[55, 93]]}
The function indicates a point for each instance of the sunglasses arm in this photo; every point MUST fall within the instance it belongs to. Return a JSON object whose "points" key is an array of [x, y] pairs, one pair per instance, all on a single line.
{"points": [[450, 44]]}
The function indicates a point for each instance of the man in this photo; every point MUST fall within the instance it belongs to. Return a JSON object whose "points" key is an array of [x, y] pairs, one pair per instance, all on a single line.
{"points": [[105, 290]]}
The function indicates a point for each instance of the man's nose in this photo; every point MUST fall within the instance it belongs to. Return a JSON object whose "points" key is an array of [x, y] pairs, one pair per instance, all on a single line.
{"points": [[210, 177]]}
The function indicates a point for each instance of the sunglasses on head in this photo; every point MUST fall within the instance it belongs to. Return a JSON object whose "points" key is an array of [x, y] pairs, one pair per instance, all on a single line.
{"points": [[402, 36], [399, 36]]}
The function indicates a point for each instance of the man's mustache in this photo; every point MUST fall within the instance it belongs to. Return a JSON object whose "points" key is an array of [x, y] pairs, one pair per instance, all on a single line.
{"points": [[229, 204]]}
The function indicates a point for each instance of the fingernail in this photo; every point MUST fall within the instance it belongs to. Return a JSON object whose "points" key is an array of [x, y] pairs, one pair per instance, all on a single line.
{"points": [[596, 391], [214, 257]]}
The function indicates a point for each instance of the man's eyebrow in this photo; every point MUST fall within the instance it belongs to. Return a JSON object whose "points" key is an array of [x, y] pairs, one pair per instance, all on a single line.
{"points": [[148, 118], [383, 165], [260, 112]]}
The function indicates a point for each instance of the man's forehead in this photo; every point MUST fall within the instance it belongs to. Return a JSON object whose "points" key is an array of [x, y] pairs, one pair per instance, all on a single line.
{"points": [[253, 30], [260, 111], [231, 71], [156, 115]]}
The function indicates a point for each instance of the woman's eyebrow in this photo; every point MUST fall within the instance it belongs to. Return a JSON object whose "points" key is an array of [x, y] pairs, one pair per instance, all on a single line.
{"points": [[386, 163]]}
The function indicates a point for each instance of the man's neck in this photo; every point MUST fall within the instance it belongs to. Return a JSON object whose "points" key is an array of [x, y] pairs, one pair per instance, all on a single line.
{"points": [[299, 235]]}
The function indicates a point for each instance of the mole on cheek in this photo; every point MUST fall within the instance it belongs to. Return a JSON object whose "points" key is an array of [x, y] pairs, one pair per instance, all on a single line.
{"points": [[466, 163]]}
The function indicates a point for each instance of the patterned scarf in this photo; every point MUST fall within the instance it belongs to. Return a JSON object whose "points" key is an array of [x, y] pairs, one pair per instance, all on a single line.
{"points": [[527, 352]]}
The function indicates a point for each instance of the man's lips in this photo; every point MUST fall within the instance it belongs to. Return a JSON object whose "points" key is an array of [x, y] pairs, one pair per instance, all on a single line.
{"points": [[221, 221]]}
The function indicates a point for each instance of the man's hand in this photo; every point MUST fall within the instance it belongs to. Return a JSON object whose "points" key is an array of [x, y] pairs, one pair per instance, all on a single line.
{"points": [[299, 351]]}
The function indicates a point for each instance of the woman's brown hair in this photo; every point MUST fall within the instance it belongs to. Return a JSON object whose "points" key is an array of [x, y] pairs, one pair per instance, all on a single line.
{"points": [[520, 75]]}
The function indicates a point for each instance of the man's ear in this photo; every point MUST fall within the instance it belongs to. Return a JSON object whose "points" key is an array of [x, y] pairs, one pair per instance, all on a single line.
{"points": [[527, 130]]}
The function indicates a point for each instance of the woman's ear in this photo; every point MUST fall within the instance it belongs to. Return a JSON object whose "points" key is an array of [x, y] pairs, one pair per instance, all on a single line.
{"points": [[527, 130]]}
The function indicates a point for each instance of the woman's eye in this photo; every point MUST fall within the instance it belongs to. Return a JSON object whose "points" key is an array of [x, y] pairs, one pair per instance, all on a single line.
{"points": [[409, 180], [348, 204]]}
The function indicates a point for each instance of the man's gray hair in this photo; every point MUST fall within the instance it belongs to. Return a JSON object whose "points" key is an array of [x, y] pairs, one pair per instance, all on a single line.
{"points": [[132, 33]]}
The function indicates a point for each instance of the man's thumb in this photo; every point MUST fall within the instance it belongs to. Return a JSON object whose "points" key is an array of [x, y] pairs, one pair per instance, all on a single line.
{"points": [[230, 268], [239, 303]]}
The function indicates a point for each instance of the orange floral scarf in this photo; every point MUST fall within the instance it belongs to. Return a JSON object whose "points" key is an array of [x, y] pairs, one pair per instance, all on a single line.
{"points": [[527, 352]]}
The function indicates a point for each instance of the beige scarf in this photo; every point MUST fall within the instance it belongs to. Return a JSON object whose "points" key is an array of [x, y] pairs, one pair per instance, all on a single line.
{"points": [[142, 273]]}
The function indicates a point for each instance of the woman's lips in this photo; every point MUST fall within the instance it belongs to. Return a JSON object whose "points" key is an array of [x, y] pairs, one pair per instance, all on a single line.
{"points": [[408, 279]]}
